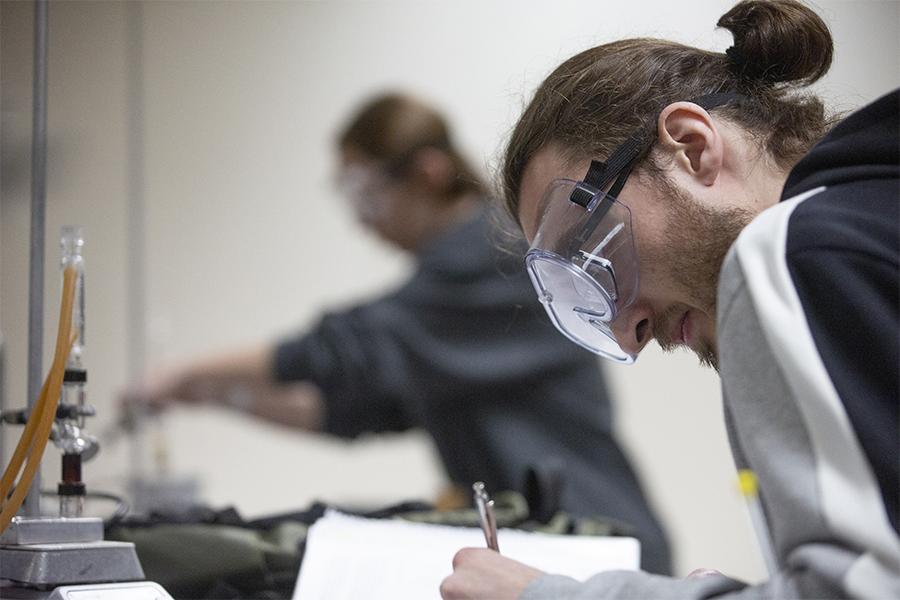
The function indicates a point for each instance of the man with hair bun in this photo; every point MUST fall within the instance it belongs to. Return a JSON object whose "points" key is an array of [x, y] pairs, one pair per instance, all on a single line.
{"points": [[702, 199]]}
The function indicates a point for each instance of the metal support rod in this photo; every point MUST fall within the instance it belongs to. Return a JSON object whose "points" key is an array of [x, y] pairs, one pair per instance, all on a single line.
{"points": [[136, 272], [38, 226], [2, 400]]}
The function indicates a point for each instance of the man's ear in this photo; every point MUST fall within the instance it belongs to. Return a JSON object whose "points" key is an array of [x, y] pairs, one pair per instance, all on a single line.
{"points": [[688, 135]]}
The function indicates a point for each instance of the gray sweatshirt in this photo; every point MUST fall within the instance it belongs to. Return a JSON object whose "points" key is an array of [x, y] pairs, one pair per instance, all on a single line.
{"points": [[464, 350]]}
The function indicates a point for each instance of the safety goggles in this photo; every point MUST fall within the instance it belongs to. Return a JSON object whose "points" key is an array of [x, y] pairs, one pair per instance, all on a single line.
{"points": [[583, 262], [363, 187], [366, 186]]}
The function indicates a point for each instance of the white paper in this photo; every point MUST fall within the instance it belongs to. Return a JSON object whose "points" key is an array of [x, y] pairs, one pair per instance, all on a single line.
{"points": [[351, 557]]}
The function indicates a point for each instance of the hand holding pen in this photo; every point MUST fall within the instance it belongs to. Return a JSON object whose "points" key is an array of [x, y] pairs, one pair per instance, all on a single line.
{"points": [[484, 572], [485, 507]]}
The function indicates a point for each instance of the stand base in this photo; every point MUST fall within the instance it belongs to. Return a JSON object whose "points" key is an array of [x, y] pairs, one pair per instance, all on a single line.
{"points": [[47, 565], [52, 530], [40, 554], [135, 590]]}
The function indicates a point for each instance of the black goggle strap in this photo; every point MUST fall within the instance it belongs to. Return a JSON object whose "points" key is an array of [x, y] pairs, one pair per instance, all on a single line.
{"points": [[711, 101], [600, 173], [619, 166], [596, 215]]}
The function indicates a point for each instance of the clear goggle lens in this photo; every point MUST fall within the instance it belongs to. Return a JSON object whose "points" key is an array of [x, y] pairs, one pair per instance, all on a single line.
{"points": [[364, 188], [583, 265]]}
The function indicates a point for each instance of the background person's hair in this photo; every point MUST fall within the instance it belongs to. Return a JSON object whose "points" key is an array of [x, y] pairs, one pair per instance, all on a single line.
{"points": [[593, 101], [392, 127]]}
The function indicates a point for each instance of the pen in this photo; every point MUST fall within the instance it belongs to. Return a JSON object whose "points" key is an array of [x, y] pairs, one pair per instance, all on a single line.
{"points": [[485, 507]]}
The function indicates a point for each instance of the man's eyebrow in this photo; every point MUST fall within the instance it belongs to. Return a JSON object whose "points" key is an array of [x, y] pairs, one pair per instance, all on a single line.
{"points": [[539, 211]]}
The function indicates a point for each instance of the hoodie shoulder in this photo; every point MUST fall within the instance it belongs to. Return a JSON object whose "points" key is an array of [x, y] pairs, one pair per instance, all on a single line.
{"points": [[865, 145]]}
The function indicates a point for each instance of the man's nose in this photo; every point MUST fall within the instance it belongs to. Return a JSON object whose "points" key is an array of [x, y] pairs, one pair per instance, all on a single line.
{"points": [[633, 328]]}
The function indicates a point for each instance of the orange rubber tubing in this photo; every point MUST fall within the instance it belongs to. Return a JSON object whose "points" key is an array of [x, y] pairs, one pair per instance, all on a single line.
{"points": [[34, 438]]}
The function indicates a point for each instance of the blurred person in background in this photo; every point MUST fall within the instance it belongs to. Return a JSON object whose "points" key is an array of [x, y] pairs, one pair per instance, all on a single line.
{"points": [[462, 349]]}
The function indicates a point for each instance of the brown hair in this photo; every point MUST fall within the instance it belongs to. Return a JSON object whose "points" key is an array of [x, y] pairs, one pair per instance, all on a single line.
{"points": [[593, 101], [392, 127]]}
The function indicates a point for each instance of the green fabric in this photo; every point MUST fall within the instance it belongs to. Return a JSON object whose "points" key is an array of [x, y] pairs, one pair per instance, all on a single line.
{"points": [[511, 510], [230, 561], [189, 560]]}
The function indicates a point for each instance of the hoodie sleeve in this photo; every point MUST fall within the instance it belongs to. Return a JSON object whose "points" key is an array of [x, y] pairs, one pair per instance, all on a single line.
{"points": [[348, 355], [632, 584]]}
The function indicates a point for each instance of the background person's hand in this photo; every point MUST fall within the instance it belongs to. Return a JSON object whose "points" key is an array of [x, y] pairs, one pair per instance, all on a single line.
{"points": [[483, 573], [699, 573], [159, 389]]}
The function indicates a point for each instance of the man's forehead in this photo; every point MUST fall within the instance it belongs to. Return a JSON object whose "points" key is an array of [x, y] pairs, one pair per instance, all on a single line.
{"points": [[547, 165]]}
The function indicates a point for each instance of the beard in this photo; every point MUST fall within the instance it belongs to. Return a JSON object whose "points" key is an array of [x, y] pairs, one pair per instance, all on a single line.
{"points": [[695, 244]]}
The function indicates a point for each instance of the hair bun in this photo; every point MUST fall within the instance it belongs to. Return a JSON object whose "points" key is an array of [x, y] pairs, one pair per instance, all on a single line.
{"points": [[777, 41]]}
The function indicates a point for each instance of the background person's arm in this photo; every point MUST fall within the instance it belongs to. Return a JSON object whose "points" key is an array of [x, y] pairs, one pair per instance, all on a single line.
{"points": [[242, 380]]}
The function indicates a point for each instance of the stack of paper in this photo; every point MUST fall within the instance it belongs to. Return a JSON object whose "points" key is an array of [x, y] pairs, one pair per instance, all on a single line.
{"points": [[351, 557]]}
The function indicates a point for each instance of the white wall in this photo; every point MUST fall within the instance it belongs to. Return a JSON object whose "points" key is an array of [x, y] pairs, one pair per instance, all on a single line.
{"points": [[227, 141]]}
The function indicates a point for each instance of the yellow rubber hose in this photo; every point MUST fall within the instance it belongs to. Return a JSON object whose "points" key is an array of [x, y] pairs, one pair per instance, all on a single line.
{"points": [[34, 419], [40, 421], [24, 444]]}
